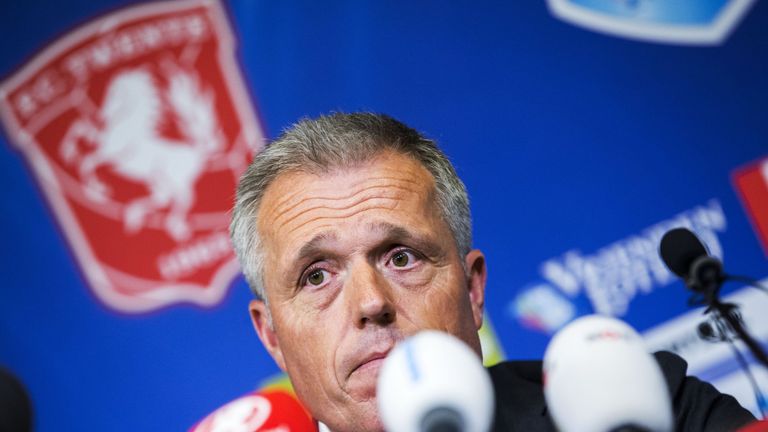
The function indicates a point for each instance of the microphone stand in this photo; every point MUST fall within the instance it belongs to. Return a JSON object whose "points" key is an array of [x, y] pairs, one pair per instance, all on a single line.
{"points": [[724, 311], [710, 287]]}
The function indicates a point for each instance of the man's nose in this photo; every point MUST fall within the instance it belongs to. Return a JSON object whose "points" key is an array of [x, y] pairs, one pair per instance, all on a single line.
{"points": [[371, 298]]}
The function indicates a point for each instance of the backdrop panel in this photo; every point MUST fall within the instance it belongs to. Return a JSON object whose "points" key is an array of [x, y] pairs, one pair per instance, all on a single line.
{"points": [[581, 140]]}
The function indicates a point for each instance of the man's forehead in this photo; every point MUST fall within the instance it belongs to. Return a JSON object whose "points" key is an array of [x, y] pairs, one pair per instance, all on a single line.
{"points": [[302, 210], [390, 172], [385, 162]]}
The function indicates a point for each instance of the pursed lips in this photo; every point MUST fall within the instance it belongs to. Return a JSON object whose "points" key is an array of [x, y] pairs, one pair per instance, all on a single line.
{"points": [[369, 353], [371, 361]]}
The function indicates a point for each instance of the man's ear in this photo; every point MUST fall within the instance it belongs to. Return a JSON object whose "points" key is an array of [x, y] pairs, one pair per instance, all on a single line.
{"points": [[477, 273], [265, 330]]}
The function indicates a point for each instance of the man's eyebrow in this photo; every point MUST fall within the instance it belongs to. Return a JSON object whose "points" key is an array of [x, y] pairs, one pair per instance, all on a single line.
{"points": [[312, 247], [391, 230], [395, 233], [391, 234]]}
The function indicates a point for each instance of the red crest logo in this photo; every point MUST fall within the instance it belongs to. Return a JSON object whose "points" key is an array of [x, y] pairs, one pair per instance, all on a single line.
{"points": [[137, 126], [751, 183]]}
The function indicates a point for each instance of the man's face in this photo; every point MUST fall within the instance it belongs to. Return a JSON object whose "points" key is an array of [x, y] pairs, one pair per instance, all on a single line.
{"points": [[356, 260]]}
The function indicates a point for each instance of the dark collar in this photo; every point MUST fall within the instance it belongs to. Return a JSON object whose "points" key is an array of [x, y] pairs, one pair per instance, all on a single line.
{"points": [[520, 404]]}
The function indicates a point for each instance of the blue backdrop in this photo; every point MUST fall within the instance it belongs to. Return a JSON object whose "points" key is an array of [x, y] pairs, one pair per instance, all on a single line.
{"points": [[568, 140]]}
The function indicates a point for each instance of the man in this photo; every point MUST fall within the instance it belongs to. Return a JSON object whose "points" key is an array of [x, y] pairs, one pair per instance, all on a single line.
{"points": [[354, 232]]}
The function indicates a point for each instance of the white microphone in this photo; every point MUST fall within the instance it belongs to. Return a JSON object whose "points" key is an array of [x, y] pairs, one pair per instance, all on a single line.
{"points": [[433, 382], [599, 377]]}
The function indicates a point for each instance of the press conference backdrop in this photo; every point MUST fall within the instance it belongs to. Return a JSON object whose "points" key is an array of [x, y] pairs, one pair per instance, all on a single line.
{"points": [[583, 130]]}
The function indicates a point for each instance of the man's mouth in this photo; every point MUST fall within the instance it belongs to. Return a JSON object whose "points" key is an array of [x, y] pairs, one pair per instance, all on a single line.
{"points": [[371, 363]]}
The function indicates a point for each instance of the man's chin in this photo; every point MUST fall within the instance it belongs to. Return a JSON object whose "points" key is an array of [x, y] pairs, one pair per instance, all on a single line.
{"points": [[362, 411], [374, 425], [362, 419]]}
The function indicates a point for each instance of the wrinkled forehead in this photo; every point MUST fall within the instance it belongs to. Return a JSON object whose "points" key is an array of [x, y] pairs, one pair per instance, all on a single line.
{"points": [[311, 181], [390, 185]]}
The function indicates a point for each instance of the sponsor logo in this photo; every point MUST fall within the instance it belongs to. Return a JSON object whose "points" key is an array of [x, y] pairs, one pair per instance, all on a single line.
{"points": [[751, 182], [703, 22], [610, 336], [606, 281], [542, 308], [137, 126]]}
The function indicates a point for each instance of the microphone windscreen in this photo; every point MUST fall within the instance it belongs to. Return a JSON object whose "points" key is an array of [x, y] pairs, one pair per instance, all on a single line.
{"points": [[268, 410], [679, 248], [433, 381], [598, 376]]}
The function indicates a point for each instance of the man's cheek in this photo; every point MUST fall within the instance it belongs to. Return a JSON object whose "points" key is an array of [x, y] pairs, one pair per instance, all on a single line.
{"points": [[308, 367], [424, 311]]}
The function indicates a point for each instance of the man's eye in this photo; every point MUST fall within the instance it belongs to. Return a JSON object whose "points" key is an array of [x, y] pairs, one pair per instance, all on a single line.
{"points": [[403, 258], [317, 277]]}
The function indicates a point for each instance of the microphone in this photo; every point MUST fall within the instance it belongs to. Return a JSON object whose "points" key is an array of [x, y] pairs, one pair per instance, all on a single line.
{"points": [[755, 426], [687, 257], [263, 411], [433, 382], [598, 377], [15, 404]]}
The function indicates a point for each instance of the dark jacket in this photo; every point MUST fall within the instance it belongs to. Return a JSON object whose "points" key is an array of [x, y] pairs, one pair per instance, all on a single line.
{"points": [[698, 406]]}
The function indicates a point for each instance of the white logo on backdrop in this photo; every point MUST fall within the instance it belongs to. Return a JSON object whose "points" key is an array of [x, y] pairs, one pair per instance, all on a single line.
{"points": [[125, 137], [612, 276]]}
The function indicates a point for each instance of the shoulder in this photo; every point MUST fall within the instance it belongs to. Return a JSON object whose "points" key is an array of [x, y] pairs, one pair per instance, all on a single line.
{"points": [[698, 405], [674, 368], [526, 370], [519, 397]]}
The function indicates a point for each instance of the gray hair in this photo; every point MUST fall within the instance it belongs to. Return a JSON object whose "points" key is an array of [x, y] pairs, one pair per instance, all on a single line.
{"points": [[336, 141]]}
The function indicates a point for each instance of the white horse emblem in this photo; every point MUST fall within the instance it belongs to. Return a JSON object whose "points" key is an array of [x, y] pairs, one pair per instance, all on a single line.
{"points": [[125, 138]]}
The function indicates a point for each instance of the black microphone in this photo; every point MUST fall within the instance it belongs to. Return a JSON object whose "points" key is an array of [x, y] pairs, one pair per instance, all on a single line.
{"points": [[687, 257], [15, 404]]}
